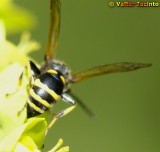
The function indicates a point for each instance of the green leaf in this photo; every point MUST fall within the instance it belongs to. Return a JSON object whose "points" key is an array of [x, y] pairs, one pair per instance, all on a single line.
{"points": [[30, 135], [12, 104]]}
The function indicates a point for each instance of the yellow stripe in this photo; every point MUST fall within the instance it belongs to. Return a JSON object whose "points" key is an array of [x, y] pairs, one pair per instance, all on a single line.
{"points": [[63, 80], [39, 99], [38, 83], [34, 106], [52, 71]]}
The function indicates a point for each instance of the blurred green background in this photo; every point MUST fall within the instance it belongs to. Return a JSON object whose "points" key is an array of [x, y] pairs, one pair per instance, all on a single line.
{"points": [[126, 105]]}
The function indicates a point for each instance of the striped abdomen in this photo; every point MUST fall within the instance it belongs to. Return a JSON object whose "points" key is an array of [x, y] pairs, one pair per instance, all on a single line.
{"points": [[46, 90]]}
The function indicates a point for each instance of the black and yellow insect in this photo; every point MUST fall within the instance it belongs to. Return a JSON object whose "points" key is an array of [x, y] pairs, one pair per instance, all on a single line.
{"points": [[51, 83]]}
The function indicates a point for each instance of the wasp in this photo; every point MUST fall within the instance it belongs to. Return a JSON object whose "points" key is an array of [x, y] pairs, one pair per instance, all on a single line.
{"points": [[52, 81]]}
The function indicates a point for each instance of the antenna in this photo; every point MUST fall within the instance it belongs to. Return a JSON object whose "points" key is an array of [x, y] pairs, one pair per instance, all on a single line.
{"points": [[54, 29]]}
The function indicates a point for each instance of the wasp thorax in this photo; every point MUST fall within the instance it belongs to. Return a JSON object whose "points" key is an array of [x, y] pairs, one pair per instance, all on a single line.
{"points": [[60, 67]]}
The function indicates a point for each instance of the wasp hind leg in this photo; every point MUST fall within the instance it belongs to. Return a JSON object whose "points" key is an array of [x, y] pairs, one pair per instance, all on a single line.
{"points": [[68, 99]]}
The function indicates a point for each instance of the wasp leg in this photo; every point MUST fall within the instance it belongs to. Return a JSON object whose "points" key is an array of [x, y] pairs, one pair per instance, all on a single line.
{"points": [[18, 86], [30, 72], [67, 98]]}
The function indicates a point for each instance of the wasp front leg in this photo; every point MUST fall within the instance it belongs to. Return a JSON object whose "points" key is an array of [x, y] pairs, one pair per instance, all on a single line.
{"points": [[67, 98], [25, 82], [29, 73]]}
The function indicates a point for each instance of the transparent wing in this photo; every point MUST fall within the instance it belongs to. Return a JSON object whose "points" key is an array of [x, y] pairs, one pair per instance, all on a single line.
{"points": [[55, 8], [81, 104], [106, 69]]}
